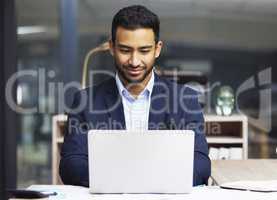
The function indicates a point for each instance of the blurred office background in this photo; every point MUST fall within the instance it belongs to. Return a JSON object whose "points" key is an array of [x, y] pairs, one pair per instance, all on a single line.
{"points": [[226, 41]]}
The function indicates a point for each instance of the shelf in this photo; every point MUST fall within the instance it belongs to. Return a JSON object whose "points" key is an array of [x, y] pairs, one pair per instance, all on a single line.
{"points": [[207, 117], [218, 118], [215, 140], [224, 140]]}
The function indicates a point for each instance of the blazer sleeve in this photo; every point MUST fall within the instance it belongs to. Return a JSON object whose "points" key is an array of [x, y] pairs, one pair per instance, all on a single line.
{"points": [[73, 167], [195, 121]]}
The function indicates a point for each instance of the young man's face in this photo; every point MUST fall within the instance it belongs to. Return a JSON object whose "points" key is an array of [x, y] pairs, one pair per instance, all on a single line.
{"points": [[135, 52]]}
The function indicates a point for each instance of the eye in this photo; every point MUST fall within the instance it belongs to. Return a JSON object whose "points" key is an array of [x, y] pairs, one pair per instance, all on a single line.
{"points": [[145, 51], [124, 50]]}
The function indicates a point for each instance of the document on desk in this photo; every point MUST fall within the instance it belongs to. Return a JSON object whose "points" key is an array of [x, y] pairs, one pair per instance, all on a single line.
{"points": [[258, 186], [67, 192]]}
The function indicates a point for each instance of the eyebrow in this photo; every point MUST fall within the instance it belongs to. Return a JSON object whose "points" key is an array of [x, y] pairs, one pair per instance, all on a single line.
{"points": [[128, 47]]}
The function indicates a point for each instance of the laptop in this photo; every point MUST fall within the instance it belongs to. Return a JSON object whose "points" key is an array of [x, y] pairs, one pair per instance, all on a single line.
{"points": [[158, 161]]}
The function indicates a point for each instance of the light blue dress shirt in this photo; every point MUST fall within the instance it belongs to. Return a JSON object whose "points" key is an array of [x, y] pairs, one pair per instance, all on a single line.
{"points": [[136, 110]]}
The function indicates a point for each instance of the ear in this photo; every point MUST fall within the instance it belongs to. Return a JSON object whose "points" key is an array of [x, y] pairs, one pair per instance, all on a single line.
{"points": [[111, 44], [158, 49]]}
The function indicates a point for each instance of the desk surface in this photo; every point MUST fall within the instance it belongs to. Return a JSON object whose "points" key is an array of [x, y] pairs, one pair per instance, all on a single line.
{"points": [[237, 170], [204, 192]]}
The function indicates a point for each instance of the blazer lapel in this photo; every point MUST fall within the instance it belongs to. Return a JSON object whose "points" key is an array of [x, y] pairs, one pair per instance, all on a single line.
{"points": [[158, 105], [114, 107]]}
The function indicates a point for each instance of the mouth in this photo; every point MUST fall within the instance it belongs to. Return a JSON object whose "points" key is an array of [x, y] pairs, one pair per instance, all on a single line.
{"points": [[134, 71]]}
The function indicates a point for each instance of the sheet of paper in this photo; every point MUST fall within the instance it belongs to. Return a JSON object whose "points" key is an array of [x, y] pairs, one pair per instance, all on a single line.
{"points": [[262, 186]]}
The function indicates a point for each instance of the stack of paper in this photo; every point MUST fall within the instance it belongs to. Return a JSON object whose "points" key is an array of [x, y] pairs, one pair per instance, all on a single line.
{"points": [[259, 186]]}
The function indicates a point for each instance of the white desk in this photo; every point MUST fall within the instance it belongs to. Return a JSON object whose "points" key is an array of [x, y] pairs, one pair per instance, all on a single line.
{"points": [[198, 193]]}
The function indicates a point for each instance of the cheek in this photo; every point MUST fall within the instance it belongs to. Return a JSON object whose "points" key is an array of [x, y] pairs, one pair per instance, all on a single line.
{"points": [[149, 60], [121, 59]]}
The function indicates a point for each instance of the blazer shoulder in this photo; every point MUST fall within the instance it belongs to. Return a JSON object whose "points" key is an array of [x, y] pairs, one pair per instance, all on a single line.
{"points": [[104, 86], [185, 88], [92, 92], [191, 91]]}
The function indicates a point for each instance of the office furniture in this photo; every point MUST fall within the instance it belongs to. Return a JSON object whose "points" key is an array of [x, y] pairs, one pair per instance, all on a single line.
{"points": [[58, 124], [227, 132], [221, 131]]}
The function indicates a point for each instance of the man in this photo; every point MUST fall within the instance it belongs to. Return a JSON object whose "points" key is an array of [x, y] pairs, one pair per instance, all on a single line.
{"points": [[136, 98]]}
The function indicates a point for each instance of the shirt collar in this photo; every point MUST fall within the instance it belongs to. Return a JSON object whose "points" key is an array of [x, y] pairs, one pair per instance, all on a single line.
{"points": [[146, 92]]}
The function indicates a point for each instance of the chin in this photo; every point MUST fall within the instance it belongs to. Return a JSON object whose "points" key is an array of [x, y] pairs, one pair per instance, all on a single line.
{"points": [[136, 80]]}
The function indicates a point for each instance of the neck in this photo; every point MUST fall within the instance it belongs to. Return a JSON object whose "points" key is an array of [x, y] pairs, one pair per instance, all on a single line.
{"points": [[136, 88]]}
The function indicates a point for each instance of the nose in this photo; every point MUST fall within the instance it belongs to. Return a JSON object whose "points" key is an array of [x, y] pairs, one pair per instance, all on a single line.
{"points": [[134, 60]]}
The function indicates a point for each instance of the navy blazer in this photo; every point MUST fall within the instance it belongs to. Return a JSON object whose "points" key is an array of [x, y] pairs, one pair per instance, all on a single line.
{"points": [[172, 106]]}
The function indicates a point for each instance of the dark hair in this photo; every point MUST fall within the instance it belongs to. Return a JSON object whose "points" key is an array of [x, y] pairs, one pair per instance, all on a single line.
{"points": [[134, 17]]}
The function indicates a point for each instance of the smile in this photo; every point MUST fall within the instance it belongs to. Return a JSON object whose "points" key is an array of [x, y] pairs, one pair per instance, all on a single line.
{"points": [[135, 71]]}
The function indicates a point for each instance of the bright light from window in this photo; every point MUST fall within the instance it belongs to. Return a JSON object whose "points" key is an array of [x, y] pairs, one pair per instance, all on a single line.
{"points": [[19, 94], [23, 30]]}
